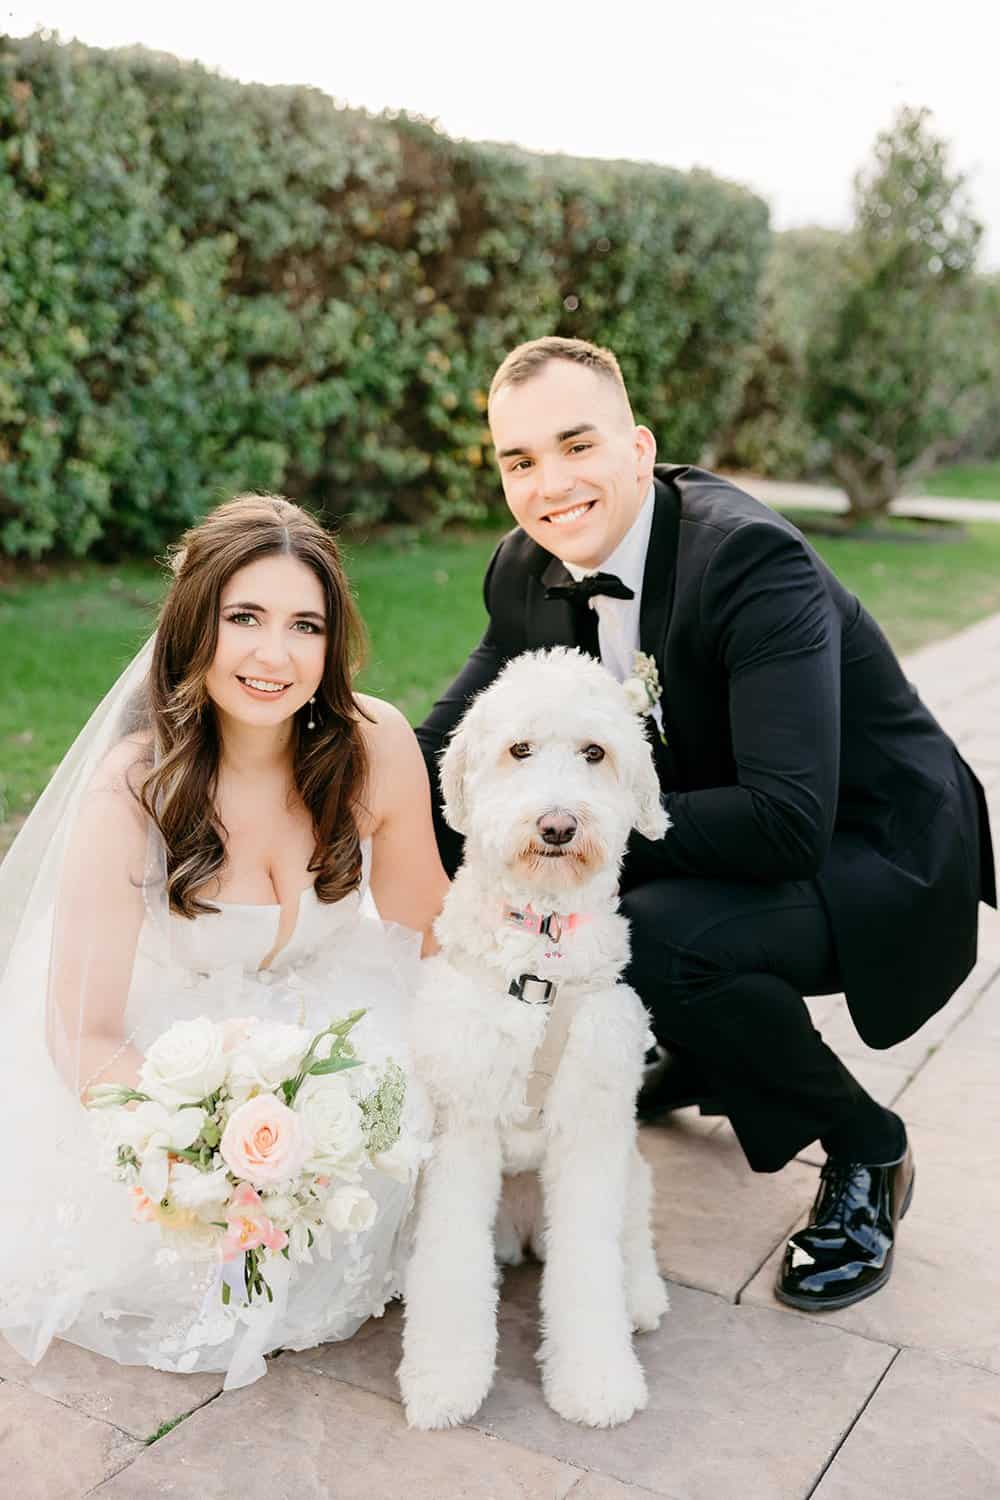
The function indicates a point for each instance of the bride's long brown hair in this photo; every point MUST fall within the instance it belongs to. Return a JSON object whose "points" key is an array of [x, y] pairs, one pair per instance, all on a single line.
{"points": [[329, 763]]}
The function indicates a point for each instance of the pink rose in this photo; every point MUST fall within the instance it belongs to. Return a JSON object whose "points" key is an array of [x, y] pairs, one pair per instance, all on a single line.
{"points": [[264, 1141], [249, 1226]]}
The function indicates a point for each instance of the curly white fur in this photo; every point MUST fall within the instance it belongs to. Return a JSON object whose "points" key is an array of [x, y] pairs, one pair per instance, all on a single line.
{"points": [[475, 1046]]}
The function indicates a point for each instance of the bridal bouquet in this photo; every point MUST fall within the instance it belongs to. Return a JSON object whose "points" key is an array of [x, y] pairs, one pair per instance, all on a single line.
{"points": [[247, 1139]]}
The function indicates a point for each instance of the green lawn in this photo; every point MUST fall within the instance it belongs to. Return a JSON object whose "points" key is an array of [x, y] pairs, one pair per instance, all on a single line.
{"points": [[65, 635], [965, 481]]}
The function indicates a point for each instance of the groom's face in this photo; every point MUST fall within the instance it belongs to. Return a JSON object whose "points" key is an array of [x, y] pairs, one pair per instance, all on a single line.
{"points": [[575, 467]]}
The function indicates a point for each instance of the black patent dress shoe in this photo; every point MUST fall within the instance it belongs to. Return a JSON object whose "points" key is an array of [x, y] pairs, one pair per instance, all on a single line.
{"points": [[674, 1081], [845, 1251]]}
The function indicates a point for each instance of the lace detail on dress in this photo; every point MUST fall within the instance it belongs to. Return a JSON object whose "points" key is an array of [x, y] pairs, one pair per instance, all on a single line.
{"points": [[100, 1280]]}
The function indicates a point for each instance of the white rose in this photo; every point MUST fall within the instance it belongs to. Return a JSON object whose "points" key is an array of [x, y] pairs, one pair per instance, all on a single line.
{"points": [[636, 695], [185, 1064], [350, 1209], [197, 1190], [334, 1124], [270, 1055]]}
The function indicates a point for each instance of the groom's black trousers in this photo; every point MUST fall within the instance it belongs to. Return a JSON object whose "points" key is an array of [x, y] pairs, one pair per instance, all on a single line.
{"points": [[722, 966]]}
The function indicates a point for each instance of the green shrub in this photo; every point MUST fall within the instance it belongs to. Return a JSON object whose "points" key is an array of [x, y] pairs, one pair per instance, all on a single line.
{"points": [[207, 286]]}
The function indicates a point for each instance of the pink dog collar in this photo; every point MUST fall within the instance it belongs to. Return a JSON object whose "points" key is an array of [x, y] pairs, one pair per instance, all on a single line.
{"points": [[555, 925]]}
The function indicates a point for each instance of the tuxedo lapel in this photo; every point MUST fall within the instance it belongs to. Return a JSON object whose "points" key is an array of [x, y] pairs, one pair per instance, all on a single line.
{"points": [[659, 574], [658, 579], [550, 622]]}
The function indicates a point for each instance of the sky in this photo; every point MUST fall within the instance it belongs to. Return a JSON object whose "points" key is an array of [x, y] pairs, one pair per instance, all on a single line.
{"points": [[786, 96]]}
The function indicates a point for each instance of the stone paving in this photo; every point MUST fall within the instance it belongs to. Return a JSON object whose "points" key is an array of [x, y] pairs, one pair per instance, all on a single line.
{"points": [[898, 1397]]}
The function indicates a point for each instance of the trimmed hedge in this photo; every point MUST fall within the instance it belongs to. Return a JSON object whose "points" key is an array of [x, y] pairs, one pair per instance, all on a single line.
{"points": [[207, 286]]}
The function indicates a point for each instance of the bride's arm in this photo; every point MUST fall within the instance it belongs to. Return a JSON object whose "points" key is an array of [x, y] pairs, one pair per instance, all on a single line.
{"points": [[98, 915], [408, 881]]}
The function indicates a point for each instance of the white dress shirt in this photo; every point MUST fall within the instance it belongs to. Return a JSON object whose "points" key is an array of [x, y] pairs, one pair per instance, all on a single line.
{"points": [[618, 619]]}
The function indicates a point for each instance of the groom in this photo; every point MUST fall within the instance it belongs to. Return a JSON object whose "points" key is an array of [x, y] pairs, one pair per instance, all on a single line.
{"points": [[826, 834]]}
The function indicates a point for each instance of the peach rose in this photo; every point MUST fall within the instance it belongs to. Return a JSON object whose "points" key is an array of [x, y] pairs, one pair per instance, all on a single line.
{"points": [[264, 1142]]}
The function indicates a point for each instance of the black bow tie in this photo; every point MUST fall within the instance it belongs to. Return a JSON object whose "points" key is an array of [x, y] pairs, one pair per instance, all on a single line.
{"points": [[594, 583]]}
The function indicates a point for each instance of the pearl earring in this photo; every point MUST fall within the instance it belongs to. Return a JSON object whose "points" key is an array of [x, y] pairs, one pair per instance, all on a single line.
{"points": [[312, 718]]}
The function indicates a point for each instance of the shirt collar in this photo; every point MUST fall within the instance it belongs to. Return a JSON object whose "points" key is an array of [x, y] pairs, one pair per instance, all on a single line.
{"points": [[628, 560]]}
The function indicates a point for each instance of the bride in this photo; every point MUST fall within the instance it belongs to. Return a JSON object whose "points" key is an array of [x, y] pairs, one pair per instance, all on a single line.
{"points": [[236, 831]]}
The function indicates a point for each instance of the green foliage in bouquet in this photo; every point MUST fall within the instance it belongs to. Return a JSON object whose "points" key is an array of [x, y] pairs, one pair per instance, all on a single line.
{"points": [[382, 1110], [207, 287]]}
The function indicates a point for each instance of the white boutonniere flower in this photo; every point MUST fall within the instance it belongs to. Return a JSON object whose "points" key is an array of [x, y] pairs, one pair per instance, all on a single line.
{"points": [[642, 689]]}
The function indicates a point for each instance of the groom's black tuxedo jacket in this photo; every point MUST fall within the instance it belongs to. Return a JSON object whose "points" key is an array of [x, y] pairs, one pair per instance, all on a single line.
{"points": [[796, 747]]}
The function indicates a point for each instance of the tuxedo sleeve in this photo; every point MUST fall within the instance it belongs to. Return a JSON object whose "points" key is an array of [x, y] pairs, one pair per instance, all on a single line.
{"points": [[775, 633], [433, 734]]}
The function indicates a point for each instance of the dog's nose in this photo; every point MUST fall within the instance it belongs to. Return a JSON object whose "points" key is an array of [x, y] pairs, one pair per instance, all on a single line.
{"points": [[556, 827]]}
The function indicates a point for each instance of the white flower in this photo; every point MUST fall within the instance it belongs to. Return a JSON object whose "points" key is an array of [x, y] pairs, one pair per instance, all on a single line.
{"points": [[298, 1244], [266, 1058], [400, 1161], [636, 695], [350, 1209], [198, 1191], [152, 1131], [185, 1064], [642, 689], [334, 1123], [281, 1209]]}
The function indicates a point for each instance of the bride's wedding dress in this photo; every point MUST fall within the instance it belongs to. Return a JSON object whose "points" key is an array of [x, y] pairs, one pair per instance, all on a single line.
{"points": [[73, 1263]]}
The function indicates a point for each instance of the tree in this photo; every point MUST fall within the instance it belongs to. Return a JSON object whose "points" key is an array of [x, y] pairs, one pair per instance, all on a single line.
{"points": [[898, 366], [770, 433]]}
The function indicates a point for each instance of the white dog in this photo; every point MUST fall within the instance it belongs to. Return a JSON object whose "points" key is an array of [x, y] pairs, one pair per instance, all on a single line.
{"points": [[532, 1048]]}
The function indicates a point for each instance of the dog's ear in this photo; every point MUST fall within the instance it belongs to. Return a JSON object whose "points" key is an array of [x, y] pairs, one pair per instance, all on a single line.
{"points": [[453, 766], [650, 819]]}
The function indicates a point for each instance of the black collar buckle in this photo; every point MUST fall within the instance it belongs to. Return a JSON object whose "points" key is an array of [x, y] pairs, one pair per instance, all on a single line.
{"points": [[518, 988]]}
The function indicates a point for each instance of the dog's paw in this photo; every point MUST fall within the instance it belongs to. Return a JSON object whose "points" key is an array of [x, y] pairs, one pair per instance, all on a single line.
{"points": [[508, 1254], [647, 1302], [598, 1393], [440, 1395], [507, 1247], [539, 1245]]}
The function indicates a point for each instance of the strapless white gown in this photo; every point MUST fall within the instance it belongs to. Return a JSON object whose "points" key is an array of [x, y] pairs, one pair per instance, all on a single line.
{"points": [[77, 1267]]}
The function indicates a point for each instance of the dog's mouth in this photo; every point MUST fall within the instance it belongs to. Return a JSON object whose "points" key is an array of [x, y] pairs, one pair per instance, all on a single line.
{"points": [[575, 861], [572, 850]]}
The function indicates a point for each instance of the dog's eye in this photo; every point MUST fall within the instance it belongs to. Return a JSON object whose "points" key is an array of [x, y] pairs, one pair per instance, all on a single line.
{"points": [[592, 753], [521, 750]]}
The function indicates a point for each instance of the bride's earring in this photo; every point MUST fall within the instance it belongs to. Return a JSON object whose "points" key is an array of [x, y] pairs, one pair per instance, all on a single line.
{"points": [[312, 717]]}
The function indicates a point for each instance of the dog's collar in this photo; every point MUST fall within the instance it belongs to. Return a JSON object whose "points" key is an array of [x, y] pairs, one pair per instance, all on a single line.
{"points": [[553, 925]]}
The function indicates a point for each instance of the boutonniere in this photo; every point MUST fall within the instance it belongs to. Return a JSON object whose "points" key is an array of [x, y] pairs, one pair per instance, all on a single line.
{"points": [[642, 688]]}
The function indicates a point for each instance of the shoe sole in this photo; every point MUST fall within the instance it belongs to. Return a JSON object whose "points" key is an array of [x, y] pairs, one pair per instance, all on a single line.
{"points": [[833, 1304]]}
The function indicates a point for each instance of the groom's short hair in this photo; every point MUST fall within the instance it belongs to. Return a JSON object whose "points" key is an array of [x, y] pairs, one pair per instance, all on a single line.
{"points": [[528, 359]]}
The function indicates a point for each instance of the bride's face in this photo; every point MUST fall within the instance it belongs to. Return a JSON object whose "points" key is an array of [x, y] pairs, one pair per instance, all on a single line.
{"points": [[271, 649]]}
